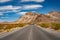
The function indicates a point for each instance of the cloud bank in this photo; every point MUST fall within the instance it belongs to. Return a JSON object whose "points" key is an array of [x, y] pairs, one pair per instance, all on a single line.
{"points": [[32, 6], [2, 1], [32, 0]]}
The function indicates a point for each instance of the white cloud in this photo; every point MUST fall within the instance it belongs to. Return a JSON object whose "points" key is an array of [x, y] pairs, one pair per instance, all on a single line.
{"points": [[32, 6], [21, 13], [2, 1], [33, 0], [9, 8], [17, 9]]}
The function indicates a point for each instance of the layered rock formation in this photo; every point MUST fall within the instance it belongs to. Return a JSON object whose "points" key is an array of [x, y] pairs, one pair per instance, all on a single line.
{"points": [[34, 17]]}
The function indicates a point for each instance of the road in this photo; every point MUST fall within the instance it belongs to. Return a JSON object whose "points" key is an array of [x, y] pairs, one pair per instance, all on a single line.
{"points": [[31, 32]]}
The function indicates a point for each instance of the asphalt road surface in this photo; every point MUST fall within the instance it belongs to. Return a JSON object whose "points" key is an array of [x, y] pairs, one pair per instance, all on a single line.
{"points": [[31, 32]]}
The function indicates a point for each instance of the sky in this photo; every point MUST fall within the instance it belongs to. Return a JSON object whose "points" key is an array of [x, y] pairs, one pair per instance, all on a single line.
{"points": [[11, 10]]}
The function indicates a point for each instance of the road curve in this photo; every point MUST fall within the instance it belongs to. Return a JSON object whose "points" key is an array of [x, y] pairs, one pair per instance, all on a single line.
{"points": [[31, 32]]}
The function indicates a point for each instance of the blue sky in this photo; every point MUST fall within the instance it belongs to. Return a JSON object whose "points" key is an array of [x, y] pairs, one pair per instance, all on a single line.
{"points": [[11, 10]]}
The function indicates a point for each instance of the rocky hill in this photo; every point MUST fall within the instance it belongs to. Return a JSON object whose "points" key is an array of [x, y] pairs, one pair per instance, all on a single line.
{"points": [[54, 16], [36, 18]]}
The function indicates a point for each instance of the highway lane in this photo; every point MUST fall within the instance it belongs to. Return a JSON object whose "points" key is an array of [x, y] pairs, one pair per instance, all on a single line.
{"points": [[31, 32]]}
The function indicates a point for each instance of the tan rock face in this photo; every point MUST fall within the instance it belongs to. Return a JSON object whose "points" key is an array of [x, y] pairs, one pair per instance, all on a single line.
{"points": [[33, 17], [54, 16], [27, 18]]}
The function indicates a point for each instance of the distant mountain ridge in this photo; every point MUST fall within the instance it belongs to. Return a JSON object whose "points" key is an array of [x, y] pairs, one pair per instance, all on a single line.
{"points": [[35, 17]]}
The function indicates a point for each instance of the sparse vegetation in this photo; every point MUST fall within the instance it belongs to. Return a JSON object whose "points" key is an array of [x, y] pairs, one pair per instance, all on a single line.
{"points": [[45, 25], [10, 26], [55, 26]]}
